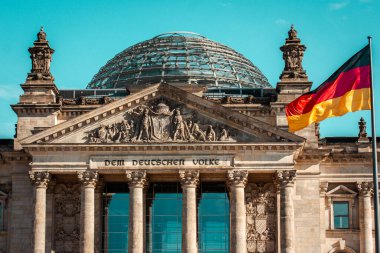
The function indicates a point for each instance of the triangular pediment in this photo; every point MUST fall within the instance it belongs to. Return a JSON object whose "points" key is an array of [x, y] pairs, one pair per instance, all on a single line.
{"points": [[161, 114], [341, 190]]}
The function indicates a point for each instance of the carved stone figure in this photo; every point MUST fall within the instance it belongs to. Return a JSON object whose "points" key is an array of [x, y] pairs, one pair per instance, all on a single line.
{"points": [[146, 127], [210, 134], [362, 128], [261, 217], [158, 123], [292, 33]]}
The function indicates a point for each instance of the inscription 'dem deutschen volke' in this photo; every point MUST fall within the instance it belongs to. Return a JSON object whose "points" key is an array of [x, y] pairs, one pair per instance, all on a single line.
{"points": [[164, 162]]}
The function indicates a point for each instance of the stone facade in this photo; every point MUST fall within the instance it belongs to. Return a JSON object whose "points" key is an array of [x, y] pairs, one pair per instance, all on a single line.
{"points": [[282, 187]]}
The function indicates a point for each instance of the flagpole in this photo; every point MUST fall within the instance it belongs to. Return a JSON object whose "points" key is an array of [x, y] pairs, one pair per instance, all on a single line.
{"points": [[374, 156]]}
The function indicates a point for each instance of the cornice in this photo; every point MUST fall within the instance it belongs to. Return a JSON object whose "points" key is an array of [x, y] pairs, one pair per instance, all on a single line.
{"points": [[231, 147]]}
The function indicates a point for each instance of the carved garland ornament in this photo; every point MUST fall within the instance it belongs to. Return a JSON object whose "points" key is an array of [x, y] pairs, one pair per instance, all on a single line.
{"points": [[67, 218], [261, 217], [158, 123]]}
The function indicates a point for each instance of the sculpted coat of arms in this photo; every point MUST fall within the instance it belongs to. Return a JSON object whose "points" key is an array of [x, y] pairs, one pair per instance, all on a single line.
{"points": [[161, 123]]}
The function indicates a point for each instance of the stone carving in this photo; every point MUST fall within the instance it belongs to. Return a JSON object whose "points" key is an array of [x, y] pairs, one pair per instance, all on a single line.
{"points": [[365, 188], [40, 178], [136, 178], [158, 123], [261, 217], [293, 52], [362, 128], [323, 186], [237, 178], [88, 178], [285, 177], [41, 55], [189, 178], [67, 218]]}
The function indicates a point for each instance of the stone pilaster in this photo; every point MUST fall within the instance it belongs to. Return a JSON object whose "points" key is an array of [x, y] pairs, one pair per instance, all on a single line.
{"points": [[285, 180], [189, 181], [40, 180], [236, 180], [89, 179], [136, 180], [365, 193], [323, 186]]}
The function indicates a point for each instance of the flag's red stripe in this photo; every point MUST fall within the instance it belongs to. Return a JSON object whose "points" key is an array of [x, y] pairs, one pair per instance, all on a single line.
{"points": [[356, 78]]}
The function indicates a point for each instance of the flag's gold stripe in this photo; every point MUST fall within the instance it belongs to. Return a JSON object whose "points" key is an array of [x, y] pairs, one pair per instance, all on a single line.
{"points": [[351, 101]]}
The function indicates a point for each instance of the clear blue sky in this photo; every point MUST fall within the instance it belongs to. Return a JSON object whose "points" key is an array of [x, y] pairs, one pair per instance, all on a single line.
{"points": [[85, 34]]}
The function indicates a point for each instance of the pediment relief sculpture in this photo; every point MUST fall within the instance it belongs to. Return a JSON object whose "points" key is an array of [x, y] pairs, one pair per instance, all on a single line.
{"points": [[161, 121]]}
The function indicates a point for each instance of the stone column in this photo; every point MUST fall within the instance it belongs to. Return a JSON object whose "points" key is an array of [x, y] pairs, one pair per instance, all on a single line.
{"points": [[285, 180], [236, 180], [323, 186], [366, 239], [189, 181], [137, 181], [40, 179], [88, 179]]}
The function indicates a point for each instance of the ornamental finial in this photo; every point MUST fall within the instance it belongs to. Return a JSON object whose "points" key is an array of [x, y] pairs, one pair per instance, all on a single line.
{"points": [[292, 33], [292, 53], [41, 35], [362, 128], [41, 55]]}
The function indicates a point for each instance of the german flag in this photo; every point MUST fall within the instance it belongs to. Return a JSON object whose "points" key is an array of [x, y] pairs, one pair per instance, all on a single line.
{"points": [[347, 90]]}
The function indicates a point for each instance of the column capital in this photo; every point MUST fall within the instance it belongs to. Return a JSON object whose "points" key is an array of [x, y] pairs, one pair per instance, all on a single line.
{"points": [[237, 178], [365, 188], [88, 178], [285, 177], [40, 179], [189, 178], [323, 186], [136, 178]]}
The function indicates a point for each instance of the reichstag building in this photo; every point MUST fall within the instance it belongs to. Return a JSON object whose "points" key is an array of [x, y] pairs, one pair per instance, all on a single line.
{"points": [[179, 144]]}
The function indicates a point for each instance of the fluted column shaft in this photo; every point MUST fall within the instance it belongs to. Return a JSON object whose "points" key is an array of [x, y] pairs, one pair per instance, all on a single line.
{"points": [[40, 181], [88, 179], [366, 238], [237, 180], [285, 180], [189, 181], [136, 181], [322, 219]]}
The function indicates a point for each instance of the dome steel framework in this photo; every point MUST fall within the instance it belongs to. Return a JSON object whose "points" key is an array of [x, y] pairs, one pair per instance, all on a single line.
{"points": [[181, 58]]}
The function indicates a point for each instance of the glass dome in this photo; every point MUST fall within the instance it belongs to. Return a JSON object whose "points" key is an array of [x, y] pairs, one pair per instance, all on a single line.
{"points": [[180, 58]]}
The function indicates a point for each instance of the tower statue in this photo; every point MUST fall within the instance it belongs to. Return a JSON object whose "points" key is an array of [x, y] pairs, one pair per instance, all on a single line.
{"points": [[293, 52], [41, 55]]}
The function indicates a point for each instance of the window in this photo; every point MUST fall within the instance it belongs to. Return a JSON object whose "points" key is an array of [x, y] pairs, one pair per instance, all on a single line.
{"points": [[116, 218], [213, 218], [341, 214], [164, 218], [341, 202]]}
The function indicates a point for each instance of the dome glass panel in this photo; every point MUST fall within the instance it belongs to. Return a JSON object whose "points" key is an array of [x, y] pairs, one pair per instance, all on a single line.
{"points": [[179, 58]]}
